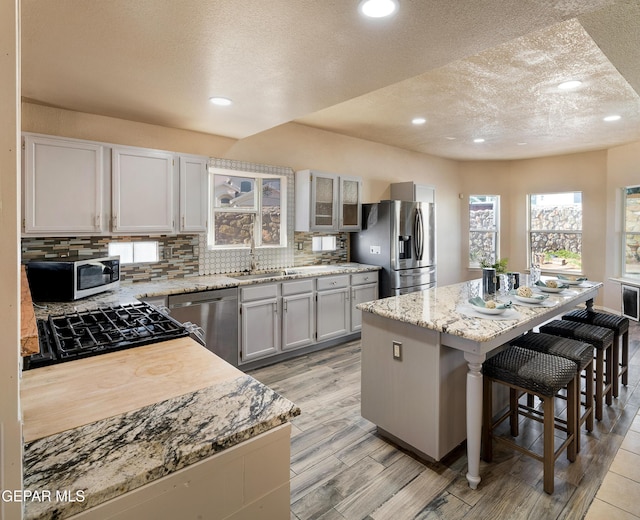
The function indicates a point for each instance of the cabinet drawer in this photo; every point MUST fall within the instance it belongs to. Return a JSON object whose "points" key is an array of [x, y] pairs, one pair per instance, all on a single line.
{"points": [[333, 282], [362, 278], [297, 287], [259, 292]]}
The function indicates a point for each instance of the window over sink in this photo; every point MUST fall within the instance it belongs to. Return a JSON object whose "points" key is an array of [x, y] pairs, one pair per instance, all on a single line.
{"points": [[248, 209]]}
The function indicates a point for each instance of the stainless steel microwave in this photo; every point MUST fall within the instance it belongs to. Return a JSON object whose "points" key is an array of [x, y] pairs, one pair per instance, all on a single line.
{"points": [[68, 279]]}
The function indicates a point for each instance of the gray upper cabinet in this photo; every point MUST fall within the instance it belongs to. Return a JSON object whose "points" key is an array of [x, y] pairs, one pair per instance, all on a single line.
{"points": [[193, 194], [327, 202], [63, 186], [142, 191]]}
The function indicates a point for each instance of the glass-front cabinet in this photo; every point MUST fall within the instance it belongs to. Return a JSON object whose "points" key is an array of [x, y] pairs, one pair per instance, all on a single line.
{"points": [[327, 202], [350, 201]]}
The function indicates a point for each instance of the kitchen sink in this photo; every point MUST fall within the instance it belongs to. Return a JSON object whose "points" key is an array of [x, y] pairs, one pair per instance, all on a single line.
{"points": [[258, 276]]}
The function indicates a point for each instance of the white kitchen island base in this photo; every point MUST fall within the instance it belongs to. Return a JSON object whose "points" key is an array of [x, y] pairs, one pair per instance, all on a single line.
{"points": [[418, 400], [422, 396]]}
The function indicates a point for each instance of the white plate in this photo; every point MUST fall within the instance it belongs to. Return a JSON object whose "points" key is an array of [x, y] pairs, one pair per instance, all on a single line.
{"points": [[571, 282], [550, 289], [530, 300], [486, 310]]}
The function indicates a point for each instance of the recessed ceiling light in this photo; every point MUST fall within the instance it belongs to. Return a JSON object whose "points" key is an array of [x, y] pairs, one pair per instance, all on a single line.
{"points": [[220, 101], [450, 138], [570, 85], [521, 143], [378, 8], [613, 117], [418, 120], [478, 140]]}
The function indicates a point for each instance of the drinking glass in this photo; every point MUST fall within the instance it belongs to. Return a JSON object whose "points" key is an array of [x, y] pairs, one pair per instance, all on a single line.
{"points": [[473, 290], [534, 273]]}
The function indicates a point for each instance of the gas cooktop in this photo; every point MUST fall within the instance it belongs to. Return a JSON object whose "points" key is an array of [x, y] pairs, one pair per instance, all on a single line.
{"points": [[76, 335]]}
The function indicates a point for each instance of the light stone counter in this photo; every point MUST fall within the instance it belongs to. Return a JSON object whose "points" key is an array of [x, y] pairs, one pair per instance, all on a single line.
{"points": [[131, 292], [438, 309]]}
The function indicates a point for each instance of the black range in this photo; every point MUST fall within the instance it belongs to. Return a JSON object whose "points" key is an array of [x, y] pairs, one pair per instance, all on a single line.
{"points": [[76, 335]]}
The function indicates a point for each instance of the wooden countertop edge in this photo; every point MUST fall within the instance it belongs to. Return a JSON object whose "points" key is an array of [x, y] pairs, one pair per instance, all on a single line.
{"points": [[28, 327], [60, 397]]}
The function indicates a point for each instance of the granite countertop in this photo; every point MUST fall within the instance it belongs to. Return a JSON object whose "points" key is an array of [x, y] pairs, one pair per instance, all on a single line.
{"points": [[131, 292], [108, 457], [442, 309]]}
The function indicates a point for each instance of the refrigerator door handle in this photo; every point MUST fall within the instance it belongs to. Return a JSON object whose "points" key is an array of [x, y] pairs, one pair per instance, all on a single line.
{"points": [[418, 227]]}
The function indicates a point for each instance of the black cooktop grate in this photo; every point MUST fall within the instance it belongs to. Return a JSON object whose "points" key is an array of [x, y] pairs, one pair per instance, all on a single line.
{"points": [[81, 334]]}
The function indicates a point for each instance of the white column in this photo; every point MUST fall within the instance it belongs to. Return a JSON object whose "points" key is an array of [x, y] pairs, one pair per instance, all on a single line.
{"points": [[474, 416]]}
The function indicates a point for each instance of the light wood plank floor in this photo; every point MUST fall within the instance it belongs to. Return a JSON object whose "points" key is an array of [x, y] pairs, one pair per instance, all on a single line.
{"points": [[341, 468]]}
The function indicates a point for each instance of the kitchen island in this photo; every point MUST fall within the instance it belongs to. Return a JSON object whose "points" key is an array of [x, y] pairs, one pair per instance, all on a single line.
{"points": [[166, 430], [415, 385]]}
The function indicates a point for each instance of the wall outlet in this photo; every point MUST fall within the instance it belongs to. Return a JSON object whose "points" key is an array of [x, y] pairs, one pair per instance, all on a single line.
{"points": [[397, 350], [374, 250]]}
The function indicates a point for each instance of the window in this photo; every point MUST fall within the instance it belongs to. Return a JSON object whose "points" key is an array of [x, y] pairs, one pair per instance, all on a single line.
{"points": [[484, 219], [247, 210], [134, 252], [631, 234], [555, 231]]}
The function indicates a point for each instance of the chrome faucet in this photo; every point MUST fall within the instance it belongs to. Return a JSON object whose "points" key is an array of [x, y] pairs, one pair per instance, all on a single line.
{"points": [[252, 254]]}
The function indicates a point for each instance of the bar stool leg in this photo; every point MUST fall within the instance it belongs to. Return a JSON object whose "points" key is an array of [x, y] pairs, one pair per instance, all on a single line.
{"points": [[615, 349], [548, 456], [609, 374], [589, 395], [625, 358], [599, 383]]}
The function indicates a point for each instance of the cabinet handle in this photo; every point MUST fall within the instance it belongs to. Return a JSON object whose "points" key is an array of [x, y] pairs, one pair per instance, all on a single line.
{"points": [[285, 307], [98, 221], [115, 221], [183, 221], [275, 307]]}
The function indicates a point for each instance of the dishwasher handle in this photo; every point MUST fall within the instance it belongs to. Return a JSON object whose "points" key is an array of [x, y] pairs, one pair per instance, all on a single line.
{"points": [[179, 305]]}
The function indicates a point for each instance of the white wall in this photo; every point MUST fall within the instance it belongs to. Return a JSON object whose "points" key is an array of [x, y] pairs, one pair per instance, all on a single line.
{"points": [[514, 180], [10, 425]]}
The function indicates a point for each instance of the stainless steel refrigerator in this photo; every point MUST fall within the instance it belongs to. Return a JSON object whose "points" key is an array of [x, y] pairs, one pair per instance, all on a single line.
{"points": [[399, 236]]}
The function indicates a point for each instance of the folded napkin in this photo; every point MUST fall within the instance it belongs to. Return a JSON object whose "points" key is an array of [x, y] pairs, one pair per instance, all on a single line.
{"points": [[540, 283], [479, 302], [581, 279], [534, 295]]}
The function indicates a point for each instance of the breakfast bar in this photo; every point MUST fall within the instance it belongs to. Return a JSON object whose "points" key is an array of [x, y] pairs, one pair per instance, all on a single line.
{"points": [[422, 356]]}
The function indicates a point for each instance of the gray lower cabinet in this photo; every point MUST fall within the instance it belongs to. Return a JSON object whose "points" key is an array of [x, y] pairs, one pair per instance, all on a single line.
{"points": [[259, 322], [360, 294], [333, 308], [298, 314], [276, 318]]}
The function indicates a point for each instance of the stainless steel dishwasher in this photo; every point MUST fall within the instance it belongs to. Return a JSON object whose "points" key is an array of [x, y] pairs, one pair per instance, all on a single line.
{"points": [[216, 312]]}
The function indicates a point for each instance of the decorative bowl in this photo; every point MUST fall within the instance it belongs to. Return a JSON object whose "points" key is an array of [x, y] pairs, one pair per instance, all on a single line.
{"points": [[571, 281], [480, 305], [545, 288]]}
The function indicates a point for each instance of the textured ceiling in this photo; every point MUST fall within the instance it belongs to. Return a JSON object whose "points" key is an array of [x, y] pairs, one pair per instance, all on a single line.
{"points": [[471, 68]]}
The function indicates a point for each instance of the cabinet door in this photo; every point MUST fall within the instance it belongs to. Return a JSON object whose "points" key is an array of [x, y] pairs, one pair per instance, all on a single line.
{"points": [[260, 329], [332, 314], [142, 196], [324, 195], [350, 204], [359, 294], [62, 186], [193, 194], [298, 315]]}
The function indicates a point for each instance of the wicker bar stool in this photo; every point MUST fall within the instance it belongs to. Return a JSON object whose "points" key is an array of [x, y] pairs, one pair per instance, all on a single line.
{"points": [[620, 327], [602, 341], [543, 375], [581, 354]]}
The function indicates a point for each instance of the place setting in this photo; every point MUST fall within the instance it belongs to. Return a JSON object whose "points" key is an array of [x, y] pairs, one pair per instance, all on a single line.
{"points": [[475, 306]]}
